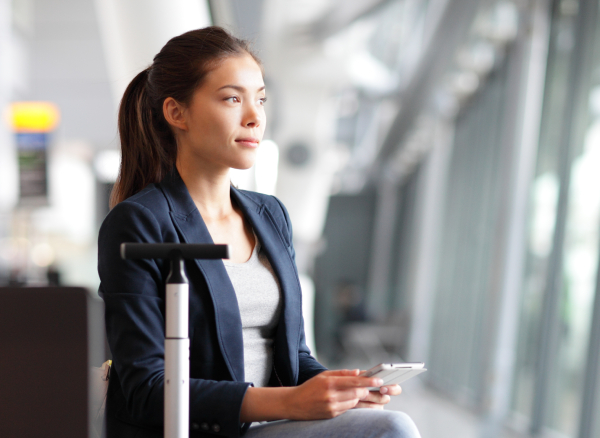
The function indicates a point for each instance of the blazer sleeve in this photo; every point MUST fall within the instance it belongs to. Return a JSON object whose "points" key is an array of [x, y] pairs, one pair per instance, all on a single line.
{"points": [[308, 366], [134, 301]]}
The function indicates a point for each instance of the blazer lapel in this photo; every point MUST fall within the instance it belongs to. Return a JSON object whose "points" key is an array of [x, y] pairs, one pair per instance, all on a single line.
{"points": [[191, 226], [281, 260]]}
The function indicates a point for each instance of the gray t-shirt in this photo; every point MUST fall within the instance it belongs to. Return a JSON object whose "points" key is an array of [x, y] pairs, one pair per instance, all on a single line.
{"points": [[259, 298]]}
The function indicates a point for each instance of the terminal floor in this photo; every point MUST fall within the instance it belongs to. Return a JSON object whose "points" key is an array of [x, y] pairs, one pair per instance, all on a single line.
{"points": [[436, 416]]}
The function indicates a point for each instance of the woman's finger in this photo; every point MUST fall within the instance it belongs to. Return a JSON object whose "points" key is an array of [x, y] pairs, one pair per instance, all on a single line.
{"points": [[376, 397], [342, 382], [343, 395], [368, 405], [342, 373], [391, 390]]}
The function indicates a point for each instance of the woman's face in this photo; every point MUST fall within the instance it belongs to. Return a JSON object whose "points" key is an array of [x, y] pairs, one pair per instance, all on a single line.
{"points": [[225, 121]]}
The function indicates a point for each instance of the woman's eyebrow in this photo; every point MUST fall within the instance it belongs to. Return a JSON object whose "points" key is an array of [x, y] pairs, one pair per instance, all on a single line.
{"points": [[239, 88]]}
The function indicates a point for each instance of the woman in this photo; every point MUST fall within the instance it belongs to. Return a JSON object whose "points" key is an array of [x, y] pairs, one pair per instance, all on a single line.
{"points": [[196, 112]]}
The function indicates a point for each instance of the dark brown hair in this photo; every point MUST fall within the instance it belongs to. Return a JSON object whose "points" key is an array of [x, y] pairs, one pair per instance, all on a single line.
{"points": [[148, 147]]}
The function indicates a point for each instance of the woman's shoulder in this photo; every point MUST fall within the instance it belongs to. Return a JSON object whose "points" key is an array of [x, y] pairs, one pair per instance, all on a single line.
{"points": [[150, 198], [147, 207]]}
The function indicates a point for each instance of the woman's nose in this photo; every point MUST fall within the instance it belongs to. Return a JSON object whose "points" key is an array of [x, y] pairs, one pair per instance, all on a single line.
{"points": [[253, 116]]}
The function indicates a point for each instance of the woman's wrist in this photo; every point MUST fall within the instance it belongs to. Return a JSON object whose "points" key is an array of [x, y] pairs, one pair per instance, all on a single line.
{"points": [[267, 404]]}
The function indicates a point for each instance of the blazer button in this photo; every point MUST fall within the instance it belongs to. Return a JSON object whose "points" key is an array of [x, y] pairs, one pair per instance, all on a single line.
{"points": [[204, 426], [195, 426], [216, 428]]}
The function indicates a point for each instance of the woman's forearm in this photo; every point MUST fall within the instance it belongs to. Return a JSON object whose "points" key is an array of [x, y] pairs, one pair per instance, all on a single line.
{"points": [[265, 404]]}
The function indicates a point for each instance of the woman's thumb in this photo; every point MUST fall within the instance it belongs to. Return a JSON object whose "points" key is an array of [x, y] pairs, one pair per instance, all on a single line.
{"points": [[342, 372]]}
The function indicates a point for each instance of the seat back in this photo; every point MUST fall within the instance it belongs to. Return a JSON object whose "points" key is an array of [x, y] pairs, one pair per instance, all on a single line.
{"points": [[49, 339]]}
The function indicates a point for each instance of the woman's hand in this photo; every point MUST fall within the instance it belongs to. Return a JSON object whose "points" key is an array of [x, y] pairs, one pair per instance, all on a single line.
{"points": [[329, 394], [378, 399], [326, 395]]}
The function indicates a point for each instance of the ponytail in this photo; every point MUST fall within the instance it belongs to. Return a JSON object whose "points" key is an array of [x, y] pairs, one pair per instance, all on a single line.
{"points": [[144, 157], [148, 146]]}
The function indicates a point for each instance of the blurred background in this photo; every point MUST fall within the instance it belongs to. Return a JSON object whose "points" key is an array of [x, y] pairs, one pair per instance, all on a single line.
{"points": [[440, 160]]}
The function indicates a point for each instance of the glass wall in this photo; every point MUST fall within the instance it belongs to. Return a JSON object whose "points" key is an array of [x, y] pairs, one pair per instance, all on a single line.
{"points": [[562, 255], [552, 374], [543, 206], [465, 297], [402, 259]]}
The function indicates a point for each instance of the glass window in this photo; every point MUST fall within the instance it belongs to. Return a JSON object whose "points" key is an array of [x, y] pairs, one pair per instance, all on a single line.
{"points": [[543, 205], [465, 297], [576, 282]]}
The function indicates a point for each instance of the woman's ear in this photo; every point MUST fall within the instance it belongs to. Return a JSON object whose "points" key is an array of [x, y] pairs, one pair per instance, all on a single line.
{"points": [[174, 114]]}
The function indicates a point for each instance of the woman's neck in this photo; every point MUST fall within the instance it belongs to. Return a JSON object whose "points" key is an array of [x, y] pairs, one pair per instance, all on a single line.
{"points": [[209, 189]]}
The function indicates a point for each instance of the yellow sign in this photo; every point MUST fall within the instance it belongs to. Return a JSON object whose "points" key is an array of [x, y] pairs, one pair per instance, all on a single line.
{"points": [[33, 116]]}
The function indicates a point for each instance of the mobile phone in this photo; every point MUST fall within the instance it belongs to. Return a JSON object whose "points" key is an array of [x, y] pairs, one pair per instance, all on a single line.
{"points": [[394, 373]]}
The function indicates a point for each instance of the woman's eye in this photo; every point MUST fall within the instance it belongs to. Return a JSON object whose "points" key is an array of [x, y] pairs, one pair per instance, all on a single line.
{"points": [[263, 100], [234, 99]]}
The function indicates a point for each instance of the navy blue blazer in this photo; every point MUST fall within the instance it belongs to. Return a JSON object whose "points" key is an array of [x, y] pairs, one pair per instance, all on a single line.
{"points": [[133, 292]]}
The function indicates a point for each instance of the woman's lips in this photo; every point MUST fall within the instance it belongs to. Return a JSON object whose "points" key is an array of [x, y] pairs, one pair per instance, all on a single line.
{"points": [[248, 142]]}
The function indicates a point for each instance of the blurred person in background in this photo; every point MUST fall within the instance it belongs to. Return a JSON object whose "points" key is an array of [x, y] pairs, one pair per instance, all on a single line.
{"points": [[184, 122]]}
